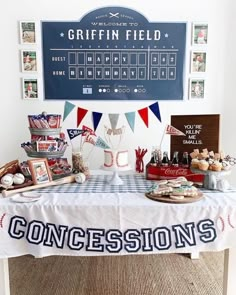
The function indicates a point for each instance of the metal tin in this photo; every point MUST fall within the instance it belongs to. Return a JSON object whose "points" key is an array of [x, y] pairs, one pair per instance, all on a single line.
{"points": [[35, 154], [45, 131]]}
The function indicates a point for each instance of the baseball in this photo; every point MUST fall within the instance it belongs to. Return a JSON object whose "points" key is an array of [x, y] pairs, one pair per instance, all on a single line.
{"points": [[18, 178], [10, 174], [7, 180], [80, 177]]}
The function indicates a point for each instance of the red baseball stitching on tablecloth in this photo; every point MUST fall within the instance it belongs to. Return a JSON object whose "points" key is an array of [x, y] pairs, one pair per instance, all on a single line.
{"points": [[1, 219], [229, 222], [222, 223]]}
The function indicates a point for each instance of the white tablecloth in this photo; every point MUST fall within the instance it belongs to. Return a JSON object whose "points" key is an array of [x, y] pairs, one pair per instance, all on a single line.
{"points": [[62, 223]]}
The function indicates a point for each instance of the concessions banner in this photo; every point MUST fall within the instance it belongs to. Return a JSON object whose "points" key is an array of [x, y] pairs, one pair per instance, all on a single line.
{"points": [[113, 53], [99, 219]]}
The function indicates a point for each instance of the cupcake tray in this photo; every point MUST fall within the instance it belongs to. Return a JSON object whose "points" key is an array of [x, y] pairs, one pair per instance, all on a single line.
{"points": [[210, 177], [211, 172]]}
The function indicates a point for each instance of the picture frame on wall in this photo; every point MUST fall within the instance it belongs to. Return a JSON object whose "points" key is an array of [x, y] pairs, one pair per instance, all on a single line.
{"points": [[30, 88], [29, 60], [198, 61], [40, 171], [199, 33], [196, 88], [27, 32]]}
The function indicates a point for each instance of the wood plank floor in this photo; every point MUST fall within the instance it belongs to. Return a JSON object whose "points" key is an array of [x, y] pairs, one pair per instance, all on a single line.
{"points": [[172, 274]]}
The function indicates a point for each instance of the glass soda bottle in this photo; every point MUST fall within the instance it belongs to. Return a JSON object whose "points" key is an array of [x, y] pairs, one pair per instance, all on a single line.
{"points": [[153, 157], [185, 160], [175, 160], [165, 159]]}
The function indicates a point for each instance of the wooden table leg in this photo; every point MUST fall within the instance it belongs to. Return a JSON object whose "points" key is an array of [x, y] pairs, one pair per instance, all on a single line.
{"points": [[194, 255], [4, 277], [229, 272]]}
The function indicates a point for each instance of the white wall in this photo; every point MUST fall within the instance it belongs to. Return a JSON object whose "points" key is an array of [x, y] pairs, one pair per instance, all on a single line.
{"points": [[219, 84], [228, 97]]}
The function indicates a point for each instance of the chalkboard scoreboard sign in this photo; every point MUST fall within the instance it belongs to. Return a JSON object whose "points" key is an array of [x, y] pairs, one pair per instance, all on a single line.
{"points": [[113, 53], [201, 131]]}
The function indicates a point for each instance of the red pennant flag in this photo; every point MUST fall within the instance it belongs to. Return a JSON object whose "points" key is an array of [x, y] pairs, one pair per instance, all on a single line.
{"points": [[80, 115], [88, 130], [89, 139], [173, 131], [144, 115]]}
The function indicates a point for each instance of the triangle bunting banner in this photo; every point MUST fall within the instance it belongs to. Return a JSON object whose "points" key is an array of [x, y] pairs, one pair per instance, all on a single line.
{"points": [[144, 115], [67, 109], [155, 109], [96, 119], [131, 119], [113, 120], [80, 115]]}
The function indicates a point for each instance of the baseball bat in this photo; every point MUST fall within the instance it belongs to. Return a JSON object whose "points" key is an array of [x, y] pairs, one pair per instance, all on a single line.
{"points": [[67, 179]]}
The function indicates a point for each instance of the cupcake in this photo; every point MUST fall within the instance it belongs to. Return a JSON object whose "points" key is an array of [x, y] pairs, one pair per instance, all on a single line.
{"points": [[194, 155], [226, 165], [216, 166], [203, 165], [195, 163]]}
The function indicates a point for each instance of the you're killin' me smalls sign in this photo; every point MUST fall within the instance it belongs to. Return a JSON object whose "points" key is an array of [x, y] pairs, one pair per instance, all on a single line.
{"points": [[201, 131]]}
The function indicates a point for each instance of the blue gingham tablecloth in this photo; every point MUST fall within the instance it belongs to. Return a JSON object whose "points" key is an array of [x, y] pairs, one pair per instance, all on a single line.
{"points": [[132, 183], [135, 183]]}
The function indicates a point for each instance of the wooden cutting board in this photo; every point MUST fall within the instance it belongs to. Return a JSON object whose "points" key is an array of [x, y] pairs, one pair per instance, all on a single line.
{"points": [[167, 199]]}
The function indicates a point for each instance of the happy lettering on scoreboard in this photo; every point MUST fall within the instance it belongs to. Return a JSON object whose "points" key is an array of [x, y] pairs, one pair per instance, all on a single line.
{"points": [[113, 53], [201, 131]]}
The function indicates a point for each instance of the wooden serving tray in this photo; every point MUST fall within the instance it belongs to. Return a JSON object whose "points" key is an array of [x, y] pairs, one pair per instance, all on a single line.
{"points": [[167, 199]]}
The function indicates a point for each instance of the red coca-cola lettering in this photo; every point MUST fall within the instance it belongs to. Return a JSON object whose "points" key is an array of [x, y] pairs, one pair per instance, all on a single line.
{"points": [[176, 172], [154, 172]]}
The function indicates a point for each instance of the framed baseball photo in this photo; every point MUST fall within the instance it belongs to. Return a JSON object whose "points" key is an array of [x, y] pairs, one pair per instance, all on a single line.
{"points": [[196, 88], [200, 34], [198, 61], [40, 170], [29, 61], [29, 88], [27, 32]]}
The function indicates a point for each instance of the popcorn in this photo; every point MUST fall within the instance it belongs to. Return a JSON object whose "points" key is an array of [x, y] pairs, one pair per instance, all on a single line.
{"points": [[44, 121]]}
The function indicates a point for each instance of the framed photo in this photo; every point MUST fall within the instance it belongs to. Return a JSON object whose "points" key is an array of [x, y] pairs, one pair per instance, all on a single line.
{"points": [[196, 88], [30, 88], [39, 170], [29, 61], [198, 62], [27, 32], [200, 34]]}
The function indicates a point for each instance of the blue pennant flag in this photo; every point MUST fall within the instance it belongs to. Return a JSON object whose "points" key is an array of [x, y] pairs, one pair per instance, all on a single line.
{"points": [[156, 111], [67, 109], [96, 119], [131, 119], [101, 143], [72, 133]]}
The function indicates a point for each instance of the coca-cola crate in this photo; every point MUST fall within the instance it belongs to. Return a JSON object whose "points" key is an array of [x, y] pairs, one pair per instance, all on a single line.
{"points": [[170, 172]]}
